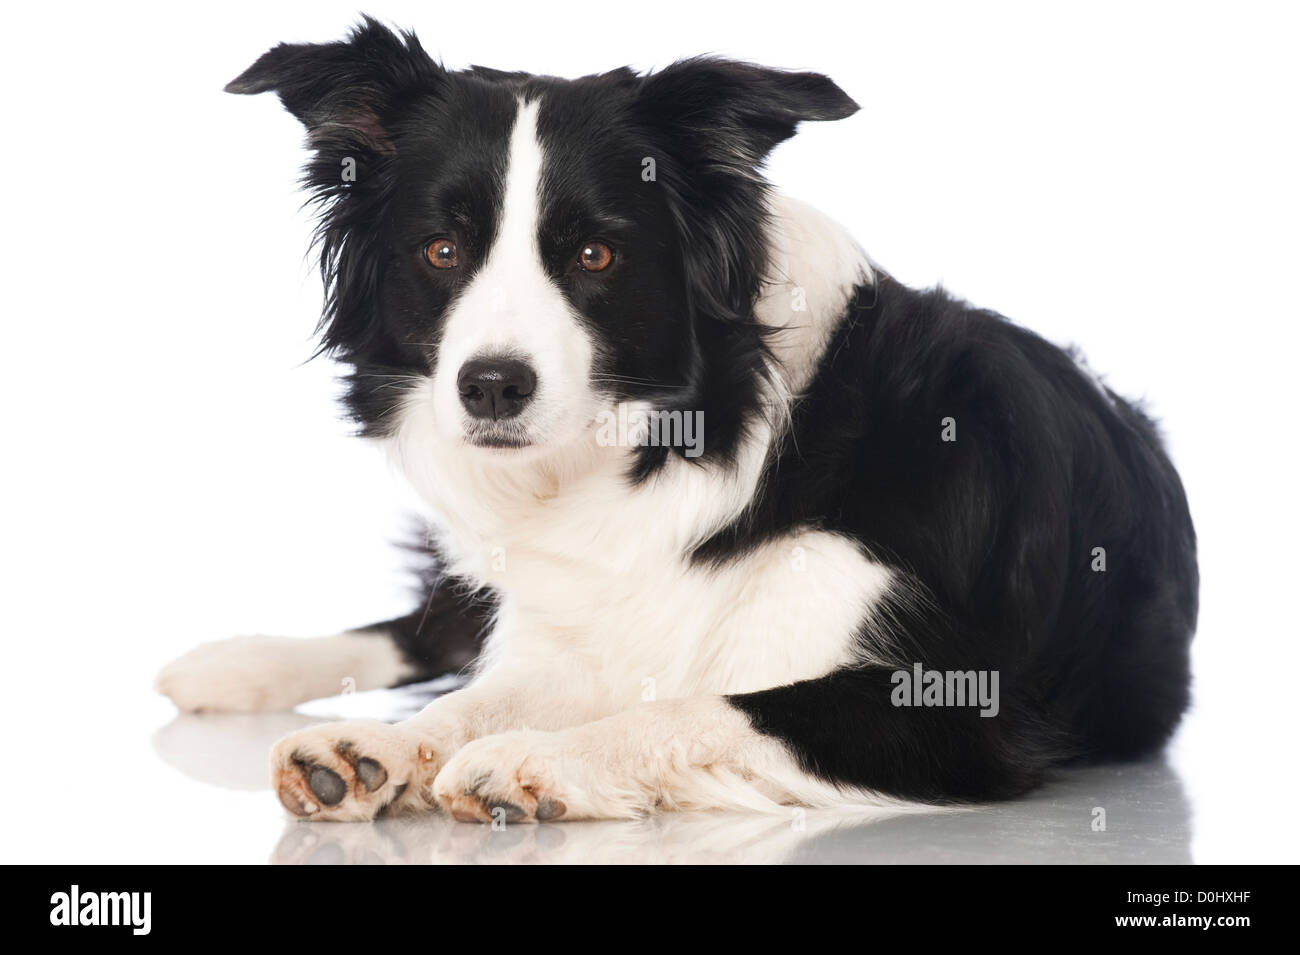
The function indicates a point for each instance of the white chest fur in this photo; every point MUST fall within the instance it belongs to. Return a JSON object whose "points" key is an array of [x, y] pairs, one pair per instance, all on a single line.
{"points": [[596, 572]]}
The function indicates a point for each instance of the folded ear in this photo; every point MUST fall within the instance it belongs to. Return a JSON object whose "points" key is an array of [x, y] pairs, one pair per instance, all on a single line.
{"points": [[345, 90], [716, 121], [738, 111]]}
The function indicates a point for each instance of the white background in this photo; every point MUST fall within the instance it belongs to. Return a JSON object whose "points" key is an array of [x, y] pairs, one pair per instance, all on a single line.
{"points": [[1122, 177]]}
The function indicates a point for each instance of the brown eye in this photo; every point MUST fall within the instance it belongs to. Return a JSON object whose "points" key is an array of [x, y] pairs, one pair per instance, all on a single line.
{"points": [[442, 254], [595, 256]]}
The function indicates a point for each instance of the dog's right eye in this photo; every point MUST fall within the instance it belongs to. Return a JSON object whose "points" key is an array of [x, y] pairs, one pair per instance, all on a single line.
{"points": [[442, 253]]}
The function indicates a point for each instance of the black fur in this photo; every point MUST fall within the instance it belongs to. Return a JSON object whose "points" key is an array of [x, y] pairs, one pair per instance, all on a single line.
{"points": [[991, 534], [444, 633]]}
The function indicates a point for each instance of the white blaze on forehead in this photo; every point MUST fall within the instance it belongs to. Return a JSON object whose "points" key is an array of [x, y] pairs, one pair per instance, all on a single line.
{"points": [[512, 306], [516, 239]]}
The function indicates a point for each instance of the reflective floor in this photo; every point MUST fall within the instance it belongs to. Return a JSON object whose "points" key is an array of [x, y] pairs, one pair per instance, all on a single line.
{"points": [[1147, 821], [1126, 814]]}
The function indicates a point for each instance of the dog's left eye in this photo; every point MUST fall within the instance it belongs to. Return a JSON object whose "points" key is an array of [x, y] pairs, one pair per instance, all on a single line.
{"points": [[442, 253], [595, 256]]}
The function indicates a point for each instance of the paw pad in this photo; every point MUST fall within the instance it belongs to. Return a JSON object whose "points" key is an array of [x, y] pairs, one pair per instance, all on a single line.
{"points": [[326, 785]]}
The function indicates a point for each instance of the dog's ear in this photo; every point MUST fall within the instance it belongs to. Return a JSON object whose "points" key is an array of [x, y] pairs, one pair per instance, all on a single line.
{"points": [[715, 121], [346, 90], [737, 112], [350, 96]]}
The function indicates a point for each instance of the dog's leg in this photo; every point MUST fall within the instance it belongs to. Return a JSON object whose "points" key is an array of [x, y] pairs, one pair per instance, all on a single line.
{"points": [[833, 741], [249, 674], [698, 753], [258, 673]]}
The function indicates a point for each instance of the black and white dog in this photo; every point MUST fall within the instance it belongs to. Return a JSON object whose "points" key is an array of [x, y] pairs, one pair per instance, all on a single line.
{"points": [[724, 515]]}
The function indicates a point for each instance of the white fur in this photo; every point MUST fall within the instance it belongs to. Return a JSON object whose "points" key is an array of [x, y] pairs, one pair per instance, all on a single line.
{"points": [[815, 264], [698, 753], [251, 674]]}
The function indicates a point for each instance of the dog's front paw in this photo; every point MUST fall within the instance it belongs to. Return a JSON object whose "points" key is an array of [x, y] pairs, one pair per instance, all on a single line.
{"points": [[352, 771], [510, 777]]}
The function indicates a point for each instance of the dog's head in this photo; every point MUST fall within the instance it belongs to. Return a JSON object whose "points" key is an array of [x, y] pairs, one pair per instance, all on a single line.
{"points": [[513, 255]]}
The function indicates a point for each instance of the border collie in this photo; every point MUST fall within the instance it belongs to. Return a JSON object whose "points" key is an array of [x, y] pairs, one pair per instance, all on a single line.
{"points": [[724, 516]]}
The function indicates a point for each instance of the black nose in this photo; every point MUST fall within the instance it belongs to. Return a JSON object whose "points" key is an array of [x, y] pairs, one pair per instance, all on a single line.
{"points": [[495, 387]]}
